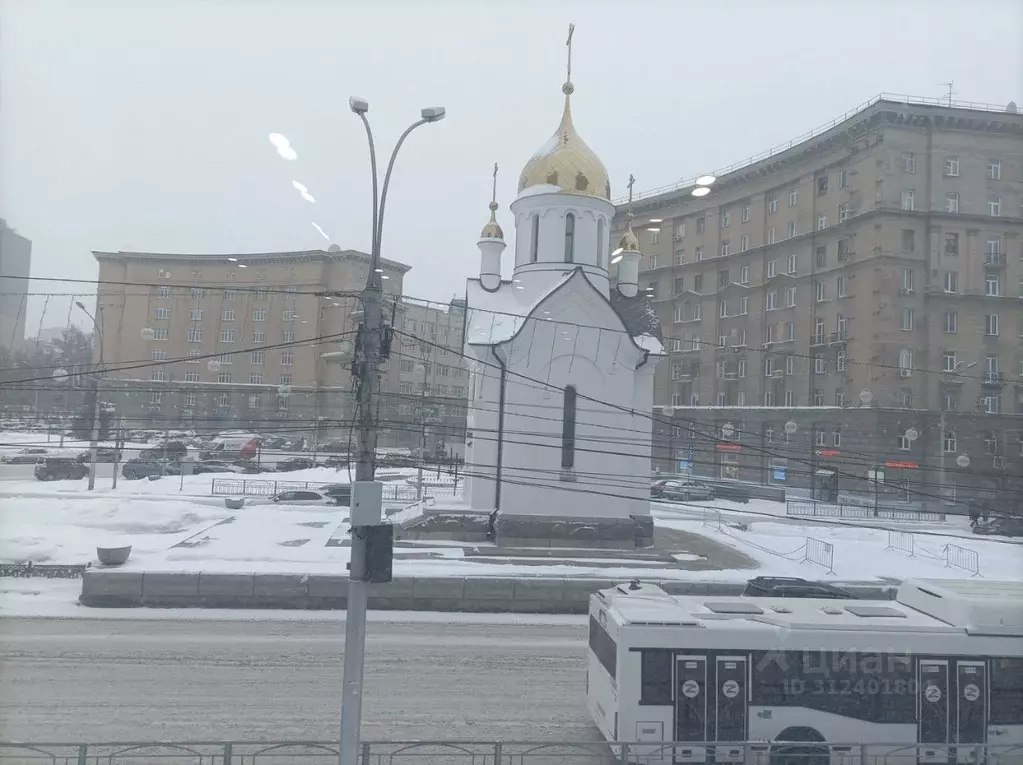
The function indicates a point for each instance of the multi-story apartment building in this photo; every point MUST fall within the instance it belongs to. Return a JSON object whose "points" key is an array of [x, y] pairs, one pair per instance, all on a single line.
{"points": [[881, 254], [215, 341], [15, 266], [433, 377]]}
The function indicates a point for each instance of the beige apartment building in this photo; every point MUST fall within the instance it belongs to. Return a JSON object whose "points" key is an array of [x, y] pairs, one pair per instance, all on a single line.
{"points": [[217, 341], [433, 377], [881, 254]]}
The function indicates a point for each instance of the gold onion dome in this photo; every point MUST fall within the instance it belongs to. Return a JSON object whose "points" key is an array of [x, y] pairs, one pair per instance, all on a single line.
{"points": [[493, 229], [629, 241], [566, 161]]}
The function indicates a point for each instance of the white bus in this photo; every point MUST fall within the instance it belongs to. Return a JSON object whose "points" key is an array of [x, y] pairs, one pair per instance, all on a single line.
{"points": [[935, 676]]}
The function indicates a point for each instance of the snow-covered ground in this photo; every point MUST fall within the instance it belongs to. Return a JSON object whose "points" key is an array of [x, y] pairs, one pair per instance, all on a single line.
{"points": [[859, 553]]}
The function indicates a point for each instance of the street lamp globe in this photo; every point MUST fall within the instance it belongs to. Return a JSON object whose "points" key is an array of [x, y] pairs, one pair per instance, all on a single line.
{"points": [[147, 333], [866, 397], [283, 391], [791, 427], [668, 411], [213, 365], [728, 430], [963, 461], [59, 373], [911, 435]]}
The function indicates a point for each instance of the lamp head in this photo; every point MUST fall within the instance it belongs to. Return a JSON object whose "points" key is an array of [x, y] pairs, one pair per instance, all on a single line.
{"points": [[433, 113], [358, 105]]}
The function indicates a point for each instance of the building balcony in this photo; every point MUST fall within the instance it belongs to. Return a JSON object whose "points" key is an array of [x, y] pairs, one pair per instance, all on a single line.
{"points": [[949, 378], [683, 377], [829, 338], [994, 261], [992, 380]]}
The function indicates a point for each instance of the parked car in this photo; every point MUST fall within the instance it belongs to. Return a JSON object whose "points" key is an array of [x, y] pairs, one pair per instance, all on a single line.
{"points": [[149, 468], [339, 492], [166, 450], [295, 463], [103, 454], [793, 587], [58, 468], [681, 489], [303, 497], [23, 457], [216, 466]]}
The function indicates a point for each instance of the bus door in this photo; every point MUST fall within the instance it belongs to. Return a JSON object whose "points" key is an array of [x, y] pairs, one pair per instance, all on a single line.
{"points": [[731, 705], [933, 703], [690, 706], [970, 708]]}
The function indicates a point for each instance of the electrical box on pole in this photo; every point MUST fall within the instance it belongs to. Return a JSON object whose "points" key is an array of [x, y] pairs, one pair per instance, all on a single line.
{"points": [[379, 552]]}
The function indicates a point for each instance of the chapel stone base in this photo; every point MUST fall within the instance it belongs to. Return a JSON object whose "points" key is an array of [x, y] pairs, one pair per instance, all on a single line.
{"points": [[511, 530]]}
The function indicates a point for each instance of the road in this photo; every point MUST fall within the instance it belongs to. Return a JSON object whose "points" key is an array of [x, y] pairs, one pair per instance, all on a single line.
{"points": [[117, 680]]}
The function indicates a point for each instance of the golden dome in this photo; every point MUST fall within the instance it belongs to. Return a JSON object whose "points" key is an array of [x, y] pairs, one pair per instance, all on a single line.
{"points": [[492, 230], [629, 242], [567, 162]]}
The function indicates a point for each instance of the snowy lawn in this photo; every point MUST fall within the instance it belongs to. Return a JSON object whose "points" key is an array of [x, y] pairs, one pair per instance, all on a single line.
{"points": [[860, 553]]}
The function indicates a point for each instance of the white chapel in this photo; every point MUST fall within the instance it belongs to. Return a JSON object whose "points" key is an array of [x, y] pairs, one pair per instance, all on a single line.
{"points": [[561, 361]]}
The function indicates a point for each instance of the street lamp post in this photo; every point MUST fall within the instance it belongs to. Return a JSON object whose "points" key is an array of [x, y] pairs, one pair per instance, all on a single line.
{"points": [[96, 405], [61, 375], [942, 425], [366, 493]]}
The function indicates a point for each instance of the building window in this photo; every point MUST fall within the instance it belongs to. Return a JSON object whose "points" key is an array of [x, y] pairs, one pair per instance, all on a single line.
{"points": [[288, 314], [569, 237], [793, 196], [952, 166], [680, 230], [836, 437], [951, 282], [600, 243], [257, 357], [844, 212], [793, 264], [191, 377], [790, 330], [193, 356], [822, 221], [196, 293], [161, 333], [991, 324], [655, 236], [743, 305], [163, 292], [224, 377], [840, 361], [158, 375], [744, 243], [907, 320], [701, 225], [744, 275], [994, 206], [821, 291], [772, 235], [227, 335], [258, 336], [726, 248], [822, 185], [260, 314], [230, 295], [952, 203], [992, 287], [842, 286], [790, 297], [951, 323], [287, 336], [287, 358], [994, 169], [726, 218], [745, 213], [771, 301], [699, 253], [772, 269], [227, 314], [790, 398], [162, 313], [677, 285], [821, 257], [680, 257], [772, 205], [677, 314], [908, 200], [948, 359], [908, 240], [949, 442], [791, 228], [195, 314], [160, 355], [568, 428]]}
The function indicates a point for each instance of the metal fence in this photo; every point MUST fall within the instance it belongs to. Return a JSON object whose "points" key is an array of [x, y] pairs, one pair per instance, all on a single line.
{"points": [[962, 557], [505, 753], [903, 541], [819, 552], [247, 487], [810, 509]]}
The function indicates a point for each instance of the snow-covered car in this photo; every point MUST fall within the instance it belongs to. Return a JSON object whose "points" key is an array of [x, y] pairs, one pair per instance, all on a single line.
{"points": [[23, 457], [303, 497], [681, 489], [216, 466]]}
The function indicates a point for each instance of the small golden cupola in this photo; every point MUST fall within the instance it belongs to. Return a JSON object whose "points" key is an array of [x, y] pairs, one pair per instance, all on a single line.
{"points": [[491, 246], [565, 161]]}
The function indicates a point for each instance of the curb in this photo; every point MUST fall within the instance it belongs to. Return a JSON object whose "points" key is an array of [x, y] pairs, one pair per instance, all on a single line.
{"points": [[539, 595]]}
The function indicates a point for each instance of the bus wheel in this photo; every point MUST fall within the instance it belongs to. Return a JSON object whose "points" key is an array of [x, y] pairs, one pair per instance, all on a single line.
{"points": [[800, 746]]}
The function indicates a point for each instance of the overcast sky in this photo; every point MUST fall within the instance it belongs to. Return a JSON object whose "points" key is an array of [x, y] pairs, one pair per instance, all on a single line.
{"points": [[142, 124]]}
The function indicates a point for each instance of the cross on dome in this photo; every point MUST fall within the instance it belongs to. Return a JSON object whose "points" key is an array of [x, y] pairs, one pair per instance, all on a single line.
{"points": [[565, 161]]}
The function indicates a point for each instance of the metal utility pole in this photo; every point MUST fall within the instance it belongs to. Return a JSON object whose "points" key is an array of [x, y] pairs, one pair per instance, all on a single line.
{"points": [[96, 404], [367, 494], [423, 351]]}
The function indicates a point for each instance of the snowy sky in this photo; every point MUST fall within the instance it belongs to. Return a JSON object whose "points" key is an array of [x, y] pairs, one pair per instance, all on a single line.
{"points": [[143, 125]]}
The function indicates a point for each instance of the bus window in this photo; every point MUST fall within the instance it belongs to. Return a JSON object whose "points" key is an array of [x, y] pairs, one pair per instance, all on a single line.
{"points": [[603, 647], [655, 676], [1006, 691]]}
